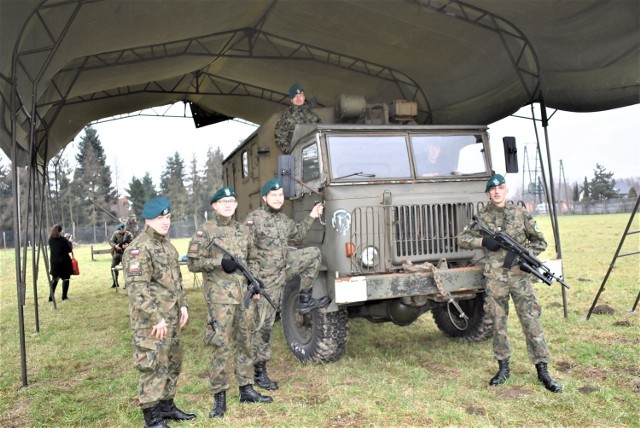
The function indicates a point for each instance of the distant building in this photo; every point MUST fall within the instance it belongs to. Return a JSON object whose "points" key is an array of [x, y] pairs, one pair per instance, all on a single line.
{"points": [[623, 189], [121, 208]]}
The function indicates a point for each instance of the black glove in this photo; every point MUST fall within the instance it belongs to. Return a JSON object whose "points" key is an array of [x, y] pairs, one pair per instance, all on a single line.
{"points": [[228, 265], [490, 244]]}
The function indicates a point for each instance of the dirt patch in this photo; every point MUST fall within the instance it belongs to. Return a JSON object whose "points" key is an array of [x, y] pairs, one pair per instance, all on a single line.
{"points": [[587, 389], [513, 392], [565, 366], [584, 280], [622, 324], [603, 310], [473, 410], [595, 374], [17, 416], [203, 375], [636, 387]]}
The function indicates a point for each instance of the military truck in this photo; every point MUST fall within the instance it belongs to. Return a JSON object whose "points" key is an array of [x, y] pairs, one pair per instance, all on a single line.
{"points": [[389, 228]]}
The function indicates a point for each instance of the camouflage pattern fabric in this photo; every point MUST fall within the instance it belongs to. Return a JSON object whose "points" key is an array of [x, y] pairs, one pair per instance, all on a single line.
{"points": [[274, 262], [230, 325], [290, 118], [119, 239], [154, 284], [502, 283]]}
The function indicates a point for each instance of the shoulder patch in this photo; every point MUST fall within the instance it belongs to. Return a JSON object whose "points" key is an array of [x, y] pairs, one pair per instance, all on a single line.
{"points": [[134, 269], [193, 248], [537, 228], [200, 234], [249, 222], [134, 252]]}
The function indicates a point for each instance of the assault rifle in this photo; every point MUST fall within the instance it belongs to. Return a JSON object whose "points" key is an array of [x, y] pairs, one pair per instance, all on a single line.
{"points": [[254, 286], [527, 261]]}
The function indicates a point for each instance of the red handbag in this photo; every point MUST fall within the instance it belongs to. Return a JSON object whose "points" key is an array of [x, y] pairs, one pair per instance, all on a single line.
{"points": [[75, 269]]}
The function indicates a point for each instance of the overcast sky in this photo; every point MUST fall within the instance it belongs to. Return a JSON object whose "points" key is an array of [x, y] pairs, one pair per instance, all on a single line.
{"points": [[142, 144]]}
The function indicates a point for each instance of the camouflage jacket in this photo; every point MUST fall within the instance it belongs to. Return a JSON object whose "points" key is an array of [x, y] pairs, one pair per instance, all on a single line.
{"points": [[287, 124], [153, 280], [516, 222], [235, 238], [272, 233], [119, 239]]}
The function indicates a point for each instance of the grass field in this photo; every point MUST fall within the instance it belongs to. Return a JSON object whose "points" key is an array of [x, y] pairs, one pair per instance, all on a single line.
{"points": [[80, 369]]}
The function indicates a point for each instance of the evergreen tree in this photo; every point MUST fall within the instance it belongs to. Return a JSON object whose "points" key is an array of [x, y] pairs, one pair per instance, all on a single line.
{"points": [[633, 194], [585, 190], [6, 198], [172, 186], [212, 175], [140, 191], [92, 180], [576, 192], [602, 185], [196, 191], [59, 190]]}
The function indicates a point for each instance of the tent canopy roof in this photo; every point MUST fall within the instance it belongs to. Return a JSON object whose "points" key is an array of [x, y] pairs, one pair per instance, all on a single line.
{"points": [[464, 63]]}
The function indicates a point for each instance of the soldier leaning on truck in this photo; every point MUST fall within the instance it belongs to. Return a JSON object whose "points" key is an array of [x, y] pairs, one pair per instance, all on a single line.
{"points": [[270, 260], [503, 282], [158, 312], [230, 325], [297, 113]]}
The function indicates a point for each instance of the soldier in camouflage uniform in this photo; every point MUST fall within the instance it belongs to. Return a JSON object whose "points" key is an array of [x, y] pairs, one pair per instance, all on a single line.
{"points": [[297, 113], [503, 281], [158, 310], [119, 241], [271, 260], [230, 325]]}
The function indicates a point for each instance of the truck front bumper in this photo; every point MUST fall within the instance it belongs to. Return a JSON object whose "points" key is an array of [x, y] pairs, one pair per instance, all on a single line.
{"points": [[354, 289]]}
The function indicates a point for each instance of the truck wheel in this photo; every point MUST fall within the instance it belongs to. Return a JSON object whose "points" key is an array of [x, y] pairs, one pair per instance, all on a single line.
{"points": [[319, 336], [479, 326]]}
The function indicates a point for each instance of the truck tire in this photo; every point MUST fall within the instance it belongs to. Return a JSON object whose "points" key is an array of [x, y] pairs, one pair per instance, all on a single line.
{"points": [[317, 337], [479, 327]]}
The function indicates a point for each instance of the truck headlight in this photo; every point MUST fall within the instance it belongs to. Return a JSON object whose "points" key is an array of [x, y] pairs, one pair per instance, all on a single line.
{"points": [[369, 257]]}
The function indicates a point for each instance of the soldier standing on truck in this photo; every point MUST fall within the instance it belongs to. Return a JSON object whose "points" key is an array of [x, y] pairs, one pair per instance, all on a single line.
{"points": [[271, 261], [230, 324], [297, 113], [503, 280]]}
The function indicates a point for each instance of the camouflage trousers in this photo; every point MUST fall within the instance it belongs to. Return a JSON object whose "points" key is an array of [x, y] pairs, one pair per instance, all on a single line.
{"points": [[304, 263], [528, 310], [234, 326], [159, 363]]}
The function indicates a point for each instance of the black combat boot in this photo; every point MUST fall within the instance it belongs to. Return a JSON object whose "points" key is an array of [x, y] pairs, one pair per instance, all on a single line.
{"points": [[52, 291], [261, 378], [503, 373], [546, 379], [168, 410], [65, 289], [219, 405], [306, 303], [250, 395], [152, 418]]}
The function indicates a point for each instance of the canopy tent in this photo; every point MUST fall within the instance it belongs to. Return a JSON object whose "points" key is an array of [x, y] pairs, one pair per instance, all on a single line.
{"points": [[69, 62], [472, 62]]}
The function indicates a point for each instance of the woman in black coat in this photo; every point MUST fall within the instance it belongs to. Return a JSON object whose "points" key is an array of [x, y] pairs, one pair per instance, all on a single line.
{"points": [[59, 249]]}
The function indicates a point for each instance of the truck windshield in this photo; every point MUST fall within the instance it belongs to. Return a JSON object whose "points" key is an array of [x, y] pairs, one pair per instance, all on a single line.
{"points": [[445, 155], [364, 158]]}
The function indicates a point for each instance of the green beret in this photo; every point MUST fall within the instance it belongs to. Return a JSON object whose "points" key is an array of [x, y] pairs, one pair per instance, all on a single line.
{"points": [[495, 180], [120, 226], [156, 207], [273, 184], [225, 192], [295, 90]]}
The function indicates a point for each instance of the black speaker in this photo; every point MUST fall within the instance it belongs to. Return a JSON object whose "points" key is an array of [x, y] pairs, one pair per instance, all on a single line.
{"points": [[203, 118]]}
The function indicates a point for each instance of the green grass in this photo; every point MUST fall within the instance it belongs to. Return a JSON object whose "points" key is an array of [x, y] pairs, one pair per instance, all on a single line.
{"points": [[80, 369]]}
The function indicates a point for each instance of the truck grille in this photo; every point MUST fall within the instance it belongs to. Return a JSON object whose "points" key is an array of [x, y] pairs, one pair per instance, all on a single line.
{"points": [[428, 230], [415, 233]]}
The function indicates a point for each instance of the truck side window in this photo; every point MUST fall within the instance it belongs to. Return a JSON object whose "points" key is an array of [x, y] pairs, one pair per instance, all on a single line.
{"points": [[310, 165]]}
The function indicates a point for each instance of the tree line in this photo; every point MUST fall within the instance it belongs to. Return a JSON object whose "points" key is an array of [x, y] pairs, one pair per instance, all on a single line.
{"points": [[84, 195]]}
